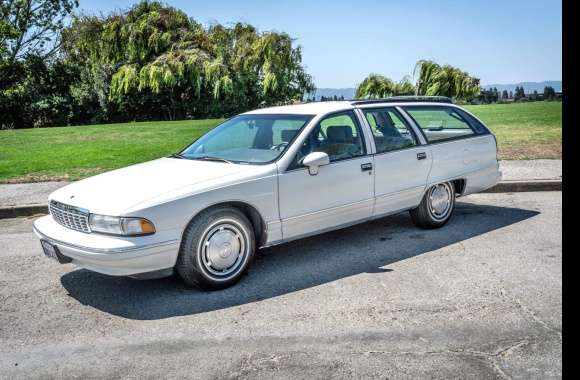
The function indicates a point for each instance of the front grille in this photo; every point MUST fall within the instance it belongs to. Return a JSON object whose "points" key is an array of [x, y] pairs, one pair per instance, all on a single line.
{"points": [[70, 216]]}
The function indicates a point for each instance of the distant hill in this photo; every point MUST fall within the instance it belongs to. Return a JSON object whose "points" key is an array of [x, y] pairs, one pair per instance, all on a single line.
{"points": [[529, 87], [347, 93]]}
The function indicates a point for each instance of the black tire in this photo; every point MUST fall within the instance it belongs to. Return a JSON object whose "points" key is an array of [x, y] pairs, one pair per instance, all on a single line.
{"points": [[194, 263], [426, 216]]}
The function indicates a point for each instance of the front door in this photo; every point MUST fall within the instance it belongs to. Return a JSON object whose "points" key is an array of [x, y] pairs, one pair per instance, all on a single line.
{"points": [[342, 191]]}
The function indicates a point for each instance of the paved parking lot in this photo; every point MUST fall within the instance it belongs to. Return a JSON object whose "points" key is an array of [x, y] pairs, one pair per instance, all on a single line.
{"points": [[480, 298]]}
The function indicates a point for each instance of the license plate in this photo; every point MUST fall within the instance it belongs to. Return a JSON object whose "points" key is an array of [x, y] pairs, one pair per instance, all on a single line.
{"points": [[49, 250]]}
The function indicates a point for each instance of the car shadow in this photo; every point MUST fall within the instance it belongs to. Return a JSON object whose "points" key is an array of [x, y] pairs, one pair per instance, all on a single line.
{"points": [[291, 267]]}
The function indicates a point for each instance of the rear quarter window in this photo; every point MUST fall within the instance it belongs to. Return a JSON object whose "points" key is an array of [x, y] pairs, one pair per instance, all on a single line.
{"points": [[477, 126], [441, 123]]}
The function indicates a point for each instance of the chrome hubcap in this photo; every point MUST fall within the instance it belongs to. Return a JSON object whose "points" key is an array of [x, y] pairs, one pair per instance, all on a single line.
{"points": [[440, 200], [223, 249]]}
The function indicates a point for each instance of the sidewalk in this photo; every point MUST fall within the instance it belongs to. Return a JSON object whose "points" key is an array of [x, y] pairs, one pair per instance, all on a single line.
{"points": [[529, 175], [531, 170], [532, 175]]}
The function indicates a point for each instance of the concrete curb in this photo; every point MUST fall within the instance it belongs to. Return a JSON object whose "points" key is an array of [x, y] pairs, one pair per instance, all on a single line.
{"points": [[526, 186], [16, 211], [502, 187]]}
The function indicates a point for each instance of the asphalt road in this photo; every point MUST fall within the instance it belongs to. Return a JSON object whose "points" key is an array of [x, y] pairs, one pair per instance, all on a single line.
{"points": [[480, 298]]}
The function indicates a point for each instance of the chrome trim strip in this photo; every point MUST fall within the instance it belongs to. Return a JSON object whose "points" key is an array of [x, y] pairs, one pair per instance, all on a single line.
{"points": [[99, 250], [397, 193], [338, 227], [320, 231], [318, 221], [71, 217], [352, 205], [68, 207]]}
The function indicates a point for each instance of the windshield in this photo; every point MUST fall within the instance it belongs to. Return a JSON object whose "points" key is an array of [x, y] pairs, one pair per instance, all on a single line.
{"points": [[255, 139]]}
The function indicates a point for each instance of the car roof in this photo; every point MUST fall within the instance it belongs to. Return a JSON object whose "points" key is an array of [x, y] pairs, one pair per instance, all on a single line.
{"points": [[312, 108], [317, 108]]}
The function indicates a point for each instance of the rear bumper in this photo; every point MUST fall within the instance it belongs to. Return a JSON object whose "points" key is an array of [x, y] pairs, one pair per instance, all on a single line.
{"points": [[106, 254], [482, 179]]}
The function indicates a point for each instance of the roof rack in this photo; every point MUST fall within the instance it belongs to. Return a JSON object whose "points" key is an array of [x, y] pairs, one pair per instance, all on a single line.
{"points": [[404, 99]]}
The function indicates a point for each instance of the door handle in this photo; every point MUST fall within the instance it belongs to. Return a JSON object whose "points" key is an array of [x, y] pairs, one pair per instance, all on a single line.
{"points": [[366, 167], [421, 155]]}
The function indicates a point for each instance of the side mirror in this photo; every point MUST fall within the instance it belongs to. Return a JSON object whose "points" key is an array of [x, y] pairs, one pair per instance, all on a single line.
{"points": [[314, 160]]}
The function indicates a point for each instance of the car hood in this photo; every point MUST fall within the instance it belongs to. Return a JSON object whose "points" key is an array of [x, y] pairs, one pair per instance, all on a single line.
{"points": [[113, 192]]}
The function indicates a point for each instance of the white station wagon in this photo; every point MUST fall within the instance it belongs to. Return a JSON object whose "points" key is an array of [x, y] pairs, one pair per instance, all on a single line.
{"points": [[266, 177]]}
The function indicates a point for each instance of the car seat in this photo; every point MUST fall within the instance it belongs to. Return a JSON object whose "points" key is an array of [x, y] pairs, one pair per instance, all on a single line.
{"points": [[340, 142]]}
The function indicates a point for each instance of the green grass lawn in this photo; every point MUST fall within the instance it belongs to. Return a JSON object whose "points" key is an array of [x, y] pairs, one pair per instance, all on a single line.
{"points": [[524, 130], [69, 153]]}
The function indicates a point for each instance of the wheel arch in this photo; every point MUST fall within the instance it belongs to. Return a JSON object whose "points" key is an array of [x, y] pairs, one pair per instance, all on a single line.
{"points": [[253, 215], [458, 185]]}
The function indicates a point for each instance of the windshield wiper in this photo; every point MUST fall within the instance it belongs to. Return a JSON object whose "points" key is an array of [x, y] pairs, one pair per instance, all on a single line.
{"points": [[177, 155], [210, 158]]}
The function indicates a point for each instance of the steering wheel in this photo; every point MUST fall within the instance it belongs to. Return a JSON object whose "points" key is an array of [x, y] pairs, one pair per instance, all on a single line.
{"points": [[280, 146]]}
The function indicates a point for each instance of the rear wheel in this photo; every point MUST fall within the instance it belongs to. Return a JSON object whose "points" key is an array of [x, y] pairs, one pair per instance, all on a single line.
{"points": [[217, 248], [436, 207]]}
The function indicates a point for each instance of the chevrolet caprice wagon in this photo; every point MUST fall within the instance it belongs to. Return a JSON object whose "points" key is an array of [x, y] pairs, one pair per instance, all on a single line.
{"points": [[266, 177]]}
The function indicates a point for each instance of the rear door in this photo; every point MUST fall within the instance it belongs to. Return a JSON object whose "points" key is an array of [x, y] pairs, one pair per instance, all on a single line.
{"points": [[402, 164], [342, 191], [461, 146]]}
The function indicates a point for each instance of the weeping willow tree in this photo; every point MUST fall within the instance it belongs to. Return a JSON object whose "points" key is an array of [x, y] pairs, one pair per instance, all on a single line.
{"points": [[378, 86], [278, 65], [155, 59], [405, 86], [444, 80], [432, 80], [375, 86]]}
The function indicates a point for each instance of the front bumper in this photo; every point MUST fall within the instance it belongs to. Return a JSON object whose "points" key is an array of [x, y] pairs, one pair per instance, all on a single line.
{"points": [[111, 255]]}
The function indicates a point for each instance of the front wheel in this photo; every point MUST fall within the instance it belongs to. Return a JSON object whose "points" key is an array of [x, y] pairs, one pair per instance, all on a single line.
{"points": [[436, 207], [217, 248]]}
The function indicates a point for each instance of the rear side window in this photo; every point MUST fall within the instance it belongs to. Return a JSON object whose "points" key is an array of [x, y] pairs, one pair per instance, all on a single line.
{"points": [[440, 123], [390, 131], [475, 124]]}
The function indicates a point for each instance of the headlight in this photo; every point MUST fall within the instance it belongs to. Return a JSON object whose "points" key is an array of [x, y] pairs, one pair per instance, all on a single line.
{"points": [[115, 225]]}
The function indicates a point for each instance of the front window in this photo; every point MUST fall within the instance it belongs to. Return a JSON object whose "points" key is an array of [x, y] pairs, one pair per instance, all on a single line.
{"points": [[254, 139], [338, 135]]}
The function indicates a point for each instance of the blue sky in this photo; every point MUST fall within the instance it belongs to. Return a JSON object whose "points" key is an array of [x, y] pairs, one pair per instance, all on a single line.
{"points": [[343, 41]]}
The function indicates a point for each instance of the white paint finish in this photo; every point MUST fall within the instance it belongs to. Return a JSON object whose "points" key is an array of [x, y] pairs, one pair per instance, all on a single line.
{"points": [[274, 231], [260, 193], [392, 203], [465, 158], [119, 260], [313, 108], [171, 192], [482, 179], [326, 220], [307, 201], [400, 178], [366, 131], [100, 243], [117, 191]]}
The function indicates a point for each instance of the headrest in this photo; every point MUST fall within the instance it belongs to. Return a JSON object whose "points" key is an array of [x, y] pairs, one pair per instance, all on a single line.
{"points": [[386, 126], [339, 133], [288, 134]]}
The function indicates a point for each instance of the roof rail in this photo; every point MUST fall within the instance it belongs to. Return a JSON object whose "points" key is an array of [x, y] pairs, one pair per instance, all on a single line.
{"points": [[404, 99]]}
